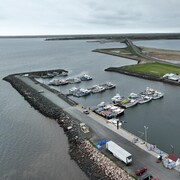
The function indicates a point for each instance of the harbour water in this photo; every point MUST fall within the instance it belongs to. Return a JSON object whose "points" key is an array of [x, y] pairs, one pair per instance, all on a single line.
{"points": [[33, 146]]}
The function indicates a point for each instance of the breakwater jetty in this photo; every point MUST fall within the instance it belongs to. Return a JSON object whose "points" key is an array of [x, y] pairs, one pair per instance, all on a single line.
{"points": [[89, 159]]}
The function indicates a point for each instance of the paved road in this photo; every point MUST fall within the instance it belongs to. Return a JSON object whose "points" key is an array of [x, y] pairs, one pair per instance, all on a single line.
{"points": [[137, 51], [103, 130]]}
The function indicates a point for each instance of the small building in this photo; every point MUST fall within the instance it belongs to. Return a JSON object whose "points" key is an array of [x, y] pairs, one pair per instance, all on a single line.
{"points": [[175, 159], [171, 161]]}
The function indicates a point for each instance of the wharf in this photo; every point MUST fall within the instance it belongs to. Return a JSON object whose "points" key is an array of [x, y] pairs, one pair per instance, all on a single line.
{"points": [[100, 129], [122, 132]]}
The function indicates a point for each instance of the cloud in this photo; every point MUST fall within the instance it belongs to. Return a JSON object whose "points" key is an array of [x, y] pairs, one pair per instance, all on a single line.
{"points": [[90, 16]]}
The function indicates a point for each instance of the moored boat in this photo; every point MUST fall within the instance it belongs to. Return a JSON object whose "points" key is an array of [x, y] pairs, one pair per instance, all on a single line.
{"points": [[85, 77], [73, 80], [108, 85], [144, 99], [117, 98], [97, 89], [72, 90], [54, 82], [109, 111], [157, 95], [79, 92], [58, 82], [130, 103]]}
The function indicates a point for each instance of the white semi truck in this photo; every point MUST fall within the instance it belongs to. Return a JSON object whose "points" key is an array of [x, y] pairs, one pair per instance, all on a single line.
{"points": [[119, 152]]}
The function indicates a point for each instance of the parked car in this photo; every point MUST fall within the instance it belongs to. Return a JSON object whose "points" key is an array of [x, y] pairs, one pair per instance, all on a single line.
{"points": [[148, 177], [85, 111], [141, 171], [41, 91]]}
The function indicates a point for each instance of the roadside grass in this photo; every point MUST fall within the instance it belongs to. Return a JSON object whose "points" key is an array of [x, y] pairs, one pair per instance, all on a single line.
{"points": [[156, 69]]}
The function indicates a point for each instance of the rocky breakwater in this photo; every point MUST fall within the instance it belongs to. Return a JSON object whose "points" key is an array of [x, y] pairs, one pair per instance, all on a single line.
{"points": [[123, 70], [89, 159], [101, 163]]}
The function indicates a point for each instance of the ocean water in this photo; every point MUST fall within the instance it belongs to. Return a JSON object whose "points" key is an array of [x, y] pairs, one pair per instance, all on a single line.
{"points": [[35, 147]]}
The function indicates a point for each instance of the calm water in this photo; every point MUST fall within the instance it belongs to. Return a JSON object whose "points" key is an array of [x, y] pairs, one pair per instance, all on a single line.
{"points": [[34, 147]]}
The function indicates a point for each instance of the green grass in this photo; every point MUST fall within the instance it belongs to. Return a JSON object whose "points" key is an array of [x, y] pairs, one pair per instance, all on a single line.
{"points": [[157, 69]]}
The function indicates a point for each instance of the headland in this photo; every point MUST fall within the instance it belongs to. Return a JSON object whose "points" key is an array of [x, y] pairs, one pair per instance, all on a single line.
{"points": [[152, 64]]}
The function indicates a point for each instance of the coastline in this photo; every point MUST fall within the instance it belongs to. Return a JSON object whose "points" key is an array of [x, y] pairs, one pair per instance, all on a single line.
{"points": [[136, 36], [141, 56], [80, 147]]}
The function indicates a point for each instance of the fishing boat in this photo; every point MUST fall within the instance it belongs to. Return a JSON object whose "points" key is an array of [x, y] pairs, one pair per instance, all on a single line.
{"points": [[79, 92], [130, 103], [157, 95], [108, 85], [73, 90], [63, 82], [117, 98], [152, 93], [133, 96], [85, 77], [97, 89], [108, 111], [54, 82], [73, 80], [144, 99]]}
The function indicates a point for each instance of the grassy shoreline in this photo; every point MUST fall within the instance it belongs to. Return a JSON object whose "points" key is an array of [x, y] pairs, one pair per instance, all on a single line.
{"points": [[149, 63], [155, 69]]}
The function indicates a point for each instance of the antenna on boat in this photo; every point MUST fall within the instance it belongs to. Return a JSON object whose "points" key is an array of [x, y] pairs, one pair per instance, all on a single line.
{"points": [[172, 149]]}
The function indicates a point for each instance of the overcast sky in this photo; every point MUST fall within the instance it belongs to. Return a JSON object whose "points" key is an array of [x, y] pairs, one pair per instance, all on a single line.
{"points": [[31, 17]]}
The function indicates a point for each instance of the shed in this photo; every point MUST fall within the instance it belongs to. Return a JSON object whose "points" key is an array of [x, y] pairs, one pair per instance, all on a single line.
{"points": [[174, 158]]}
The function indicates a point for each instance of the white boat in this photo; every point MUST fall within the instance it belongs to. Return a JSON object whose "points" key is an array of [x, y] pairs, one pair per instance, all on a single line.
{"points": [[97, 89], [144, 99], [132, 102], [101, 104], [116, 98], [58, 82], [152, 93], [63, 82], [133, 96], [118, 111], [54, 82], [157, 95], [73, 80], [85, 77], [109, 85], [73, 90], [81, 92]]}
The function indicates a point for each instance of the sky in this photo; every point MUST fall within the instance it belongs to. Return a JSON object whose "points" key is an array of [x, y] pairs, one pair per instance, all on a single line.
{"points": [[59, 17]]}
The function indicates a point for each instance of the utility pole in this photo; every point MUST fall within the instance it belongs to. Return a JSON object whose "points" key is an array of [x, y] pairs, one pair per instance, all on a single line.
{"points": [[145, 133], [118, 124]]}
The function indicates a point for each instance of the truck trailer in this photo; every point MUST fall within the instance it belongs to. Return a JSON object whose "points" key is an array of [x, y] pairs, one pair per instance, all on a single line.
{"points": [[119, 152]]}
